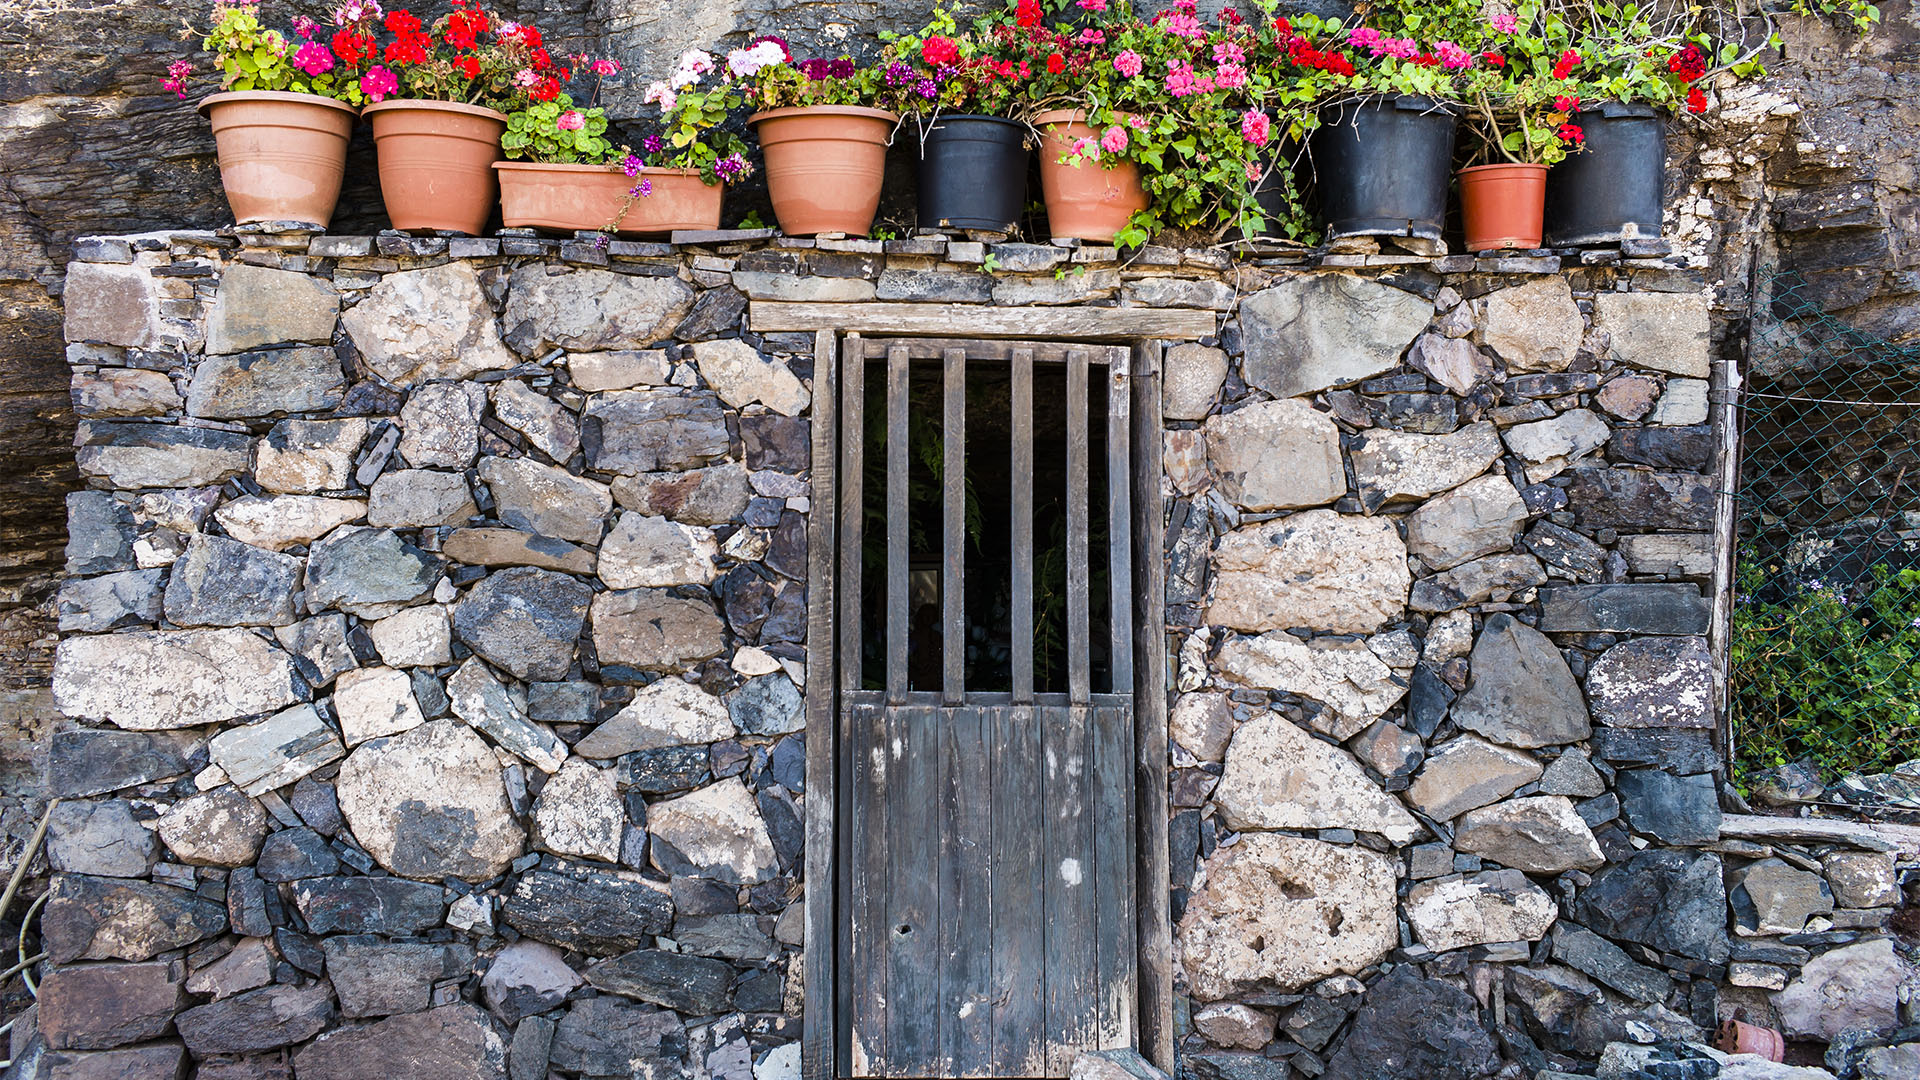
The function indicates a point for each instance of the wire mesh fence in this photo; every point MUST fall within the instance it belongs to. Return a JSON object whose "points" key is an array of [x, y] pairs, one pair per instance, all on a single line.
{"points": [[1825, 638]]}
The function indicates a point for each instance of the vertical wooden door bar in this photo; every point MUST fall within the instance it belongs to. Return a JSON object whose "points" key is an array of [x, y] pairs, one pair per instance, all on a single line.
{"points": [[1154, 872], [1119, 523], [1022, 497], [899, 581], [853, 506], [953, 615], [1079, 638], [819, 1037]]}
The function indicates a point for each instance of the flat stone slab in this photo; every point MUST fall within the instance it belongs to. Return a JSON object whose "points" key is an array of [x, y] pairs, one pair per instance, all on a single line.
{"points": [[154, 679], [1624, 609]]}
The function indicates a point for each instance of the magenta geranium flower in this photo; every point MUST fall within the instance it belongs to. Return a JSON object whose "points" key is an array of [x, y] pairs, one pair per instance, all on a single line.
{"points": [[314, 58], [378, 82], [1256, 127]]}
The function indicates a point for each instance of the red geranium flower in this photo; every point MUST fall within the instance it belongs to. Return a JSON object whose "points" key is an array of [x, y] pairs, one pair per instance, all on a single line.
{"points": [[469, 66], [351, 47], [1696, 101], [1571, 133], [1281, 26], [408, 49], [1566, 104], [402, 22], [1689, 63], [939, 51], [1494, 59], [1565, 67], [1056, 63], [1027, 13], [545, 90]]}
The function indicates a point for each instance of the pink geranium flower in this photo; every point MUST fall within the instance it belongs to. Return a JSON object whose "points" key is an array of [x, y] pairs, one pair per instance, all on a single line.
{"points": [[1505, 23], [1256, 127], [314, 58], [571, 120], [1128, 63], [1452, 56], [1114, 139], [378, 82]]}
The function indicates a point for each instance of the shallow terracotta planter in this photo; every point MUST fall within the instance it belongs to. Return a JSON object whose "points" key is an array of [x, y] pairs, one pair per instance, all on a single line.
{"points": [[436, 163], [281, 155], [1740, 1037], [594, 198], [1087, 201], [825, 164], [1503, 205]]}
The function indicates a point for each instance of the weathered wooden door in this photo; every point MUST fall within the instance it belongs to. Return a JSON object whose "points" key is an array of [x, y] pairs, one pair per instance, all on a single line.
{"points": [[987, 916]]}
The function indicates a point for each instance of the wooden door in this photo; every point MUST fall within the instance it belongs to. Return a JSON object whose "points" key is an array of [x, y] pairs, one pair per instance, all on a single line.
{"points": [[987, 916]]}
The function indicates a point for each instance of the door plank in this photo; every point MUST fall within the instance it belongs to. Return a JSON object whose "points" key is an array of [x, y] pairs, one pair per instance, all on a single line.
{"points": [[1079, 638], [953, 505], [1119, 534], [868, 882], [966, 894], [1151, 859], [1022, 497], [853, 508], [819, 1038], [899, 529], [1111, 811], [1068, 874], [1018, 934], [915, 772]]}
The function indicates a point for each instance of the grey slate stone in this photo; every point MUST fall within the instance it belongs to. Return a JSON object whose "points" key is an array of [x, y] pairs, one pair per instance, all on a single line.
{"points": [[101, 1006], [277, 751], [266, 383], [1683, 752], [1679, 810], [1635, 499], [259, 305], [100, 918], [293, 854], [1319, 330], [133, 456], [1522, 692], [481, 700], [100, 533], [768, 705], [604, 1036], [525, 620], [264, 1019], [638, 431], [1589, 953], [1410, 1026], [319, 646], [371, 573], [451, 1042], [599, 912], [725, 937], [365, 905], [694, 985], [378, 978], [101, 838], [1669, 899], [532, 1048], [222, 582], [1662, 682], [1624, 609], [91, 605], [1687, 448]]}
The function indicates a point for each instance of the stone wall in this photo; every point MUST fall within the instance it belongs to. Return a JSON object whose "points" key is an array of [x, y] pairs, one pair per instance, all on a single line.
{"points": [[433, 640]]}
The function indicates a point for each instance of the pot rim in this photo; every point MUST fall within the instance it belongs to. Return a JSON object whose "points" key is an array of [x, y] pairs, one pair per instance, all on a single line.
{"points": [[435, 106], [1419, 103], [291, 97], [939, 118], [1487, 170], [1068, 116], [575, 167], [825, 110]]}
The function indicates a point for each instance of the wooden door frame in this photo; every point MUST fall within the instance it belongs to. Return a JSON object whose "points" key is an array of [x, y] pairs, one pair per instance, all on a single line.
{"points": [[1146, 332]]}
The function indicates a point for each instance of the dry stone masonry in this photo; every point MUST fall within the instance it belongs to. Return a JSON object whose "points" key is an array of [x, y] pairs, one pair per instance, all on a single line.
{"points": [[434, 641]]}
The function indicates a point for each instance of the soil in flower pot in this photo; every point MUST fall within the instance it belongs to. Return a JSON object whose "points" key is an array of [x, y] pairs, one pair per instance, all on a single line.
{"points": [[1611, 190], [1501, 205], [282, 155], [825, 165], [593, 198], [436, 163], [1381, 167], [973, 172], [1087, 201]]}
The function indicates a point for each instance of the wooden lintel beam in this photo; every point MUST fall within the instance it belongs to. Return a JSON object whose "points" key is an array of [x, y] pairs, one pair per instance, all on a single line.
{"points": [[980, 320]]}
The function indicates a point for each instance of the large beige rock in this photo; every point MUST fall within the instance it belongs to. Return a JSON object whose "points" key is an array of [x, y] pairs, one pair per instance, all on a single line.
{"points": [[1345, 676], [435, 323], [1392, 466], [546, 500], [1541, 834], [667, 712], [112, 303], [716, 832], [1314, 570], [259, 305], [1497, 905], [278, 522], [1854, 987], [591, 310], [305, 456], [1468, 773], [431, 803], [1276, 455], [1480, 517], [741, 376], [655, 630], [1661, 331], [154, 679], [1534, 327], [643, 551], [1286, 911], [1313, 331], [1280, 777]]}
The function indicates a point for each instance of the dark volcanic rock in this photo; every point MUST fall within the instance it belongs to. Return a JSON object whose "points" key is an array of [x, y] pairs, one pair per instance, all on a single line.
{"points": [[153, 1061], [604, 1036], [88, 762], [1410, 1026], [453, 1042], [1624, 609], [222, 582], [524, 620], [292, 854], [1679, 810], [377, 978], [599, 912], [666, 769], [357, 905], [1671, 900], [97, 918], [693, 985], [1664, 447], [101, 1006], [1682, 752], [1631, 499], [257, 1020]]}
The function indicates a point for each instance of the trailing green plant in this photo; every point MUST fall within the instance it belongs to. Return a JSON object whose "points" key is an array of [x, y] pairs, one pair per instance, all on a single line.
{"points": [[250, 56], [1823, 675]]}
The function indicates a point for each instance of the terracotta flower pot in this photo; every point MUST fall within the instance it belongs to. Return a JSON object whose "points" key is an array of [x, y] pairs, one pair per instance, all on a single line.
{"points": [[825, 164], [1087, 201], [1739, 1037], [594, 198], [436, 161], [1503, 205], [281, 155]]}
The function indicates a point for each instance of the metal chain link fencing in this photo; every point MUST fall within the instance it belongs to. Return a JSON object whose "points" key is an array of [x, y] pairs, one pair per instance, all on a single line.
{"points": [[1824, 646]]}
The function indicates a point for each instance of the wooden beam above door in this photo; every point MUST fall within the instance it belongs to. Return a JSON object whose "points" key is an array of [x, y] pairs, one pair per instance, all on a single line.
{"points": [[980, 320]]}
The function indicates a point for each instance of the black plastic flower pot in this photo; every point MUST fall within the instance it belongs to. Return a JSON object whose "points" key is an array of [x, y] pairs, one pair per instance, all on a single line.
{"points": [[1611, 191], [1381, 167], [973, 173]]}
